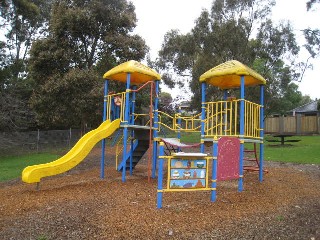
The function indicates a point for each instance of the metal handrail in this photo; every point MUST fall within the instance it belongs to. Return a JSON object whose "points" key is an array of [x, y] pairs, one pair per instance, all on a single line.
{"points": [[222, 119]]}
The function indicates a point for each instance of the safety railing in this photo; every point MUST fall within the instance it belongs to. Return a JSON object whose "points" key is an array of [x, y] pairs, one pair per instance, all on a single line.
{"points": [[223, 119], [142, 119], [115, 105], [167, 121], [252, 119], [119, 149], [179, 123], [189, 123]]}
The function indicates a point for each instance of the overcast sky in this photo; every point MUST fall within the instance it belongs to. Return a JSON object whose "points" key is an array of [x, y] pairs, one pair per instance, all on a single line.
{"points": [[156, 17]]}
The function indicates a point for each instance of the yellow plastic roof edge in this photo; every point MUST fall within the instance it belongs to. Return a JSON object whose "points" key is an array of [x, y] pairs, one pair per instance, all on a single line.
{"points": [[232, 67], [131, 66]]}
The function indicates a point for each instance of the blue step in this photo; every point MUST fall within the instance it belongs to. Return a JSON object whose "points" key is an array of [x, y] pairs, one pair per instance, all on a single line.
{"points": [[140, 147]]}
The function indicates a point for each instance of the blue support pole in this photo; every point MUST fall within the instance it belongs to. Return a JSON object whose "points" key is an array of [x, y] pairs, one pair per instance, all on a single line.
{"points": [[131, 152], [225, 95], [160, 176], [104, 117], [179, 125], [242, 112], [214, 170], [125, 129], [155, 131], [203, 114], [261, 133]]}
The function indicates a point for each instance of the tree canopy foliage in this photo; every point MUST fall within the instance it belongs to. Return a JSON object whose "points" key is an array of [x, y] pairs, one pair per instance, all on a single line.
{"points": [[85, 37], [311, 3], [312, 36], [165, 103], [21, 21], [54, 52], [240, 30]]}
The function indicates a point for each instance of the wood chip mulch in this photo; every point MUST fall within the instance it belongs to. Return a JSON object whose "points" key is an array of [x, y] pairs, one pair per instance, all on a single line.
{"points": [[80, 205]]}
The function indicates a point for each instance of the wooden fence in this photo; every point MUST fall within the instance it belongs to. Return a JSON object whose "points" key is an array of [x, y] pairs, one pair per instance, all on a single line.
{"points": [[298, 125]]}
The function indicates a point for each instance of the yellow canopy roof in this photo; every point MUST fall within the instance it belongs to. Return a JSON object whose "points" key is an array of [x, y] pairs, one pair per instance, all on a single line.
{"points": [[139, 73], [227, 75]]}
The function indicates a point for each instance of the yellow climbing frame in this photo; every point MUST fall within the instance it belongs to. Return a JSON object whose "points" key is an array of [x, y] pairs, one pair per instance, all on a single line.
{"points": [[222, 119]]}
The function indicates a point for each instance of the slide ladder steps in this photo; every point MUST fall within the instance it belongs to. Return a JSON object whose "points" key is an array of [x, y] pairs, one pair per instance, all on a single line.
{"points": [[140, 147], [138, 153]]}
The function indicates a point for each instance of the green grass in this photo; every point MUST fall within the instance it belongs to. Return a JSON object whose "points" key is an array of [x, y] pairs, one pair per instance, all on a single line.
{"points": [[189, 137], [11, 167], [305, 151]]}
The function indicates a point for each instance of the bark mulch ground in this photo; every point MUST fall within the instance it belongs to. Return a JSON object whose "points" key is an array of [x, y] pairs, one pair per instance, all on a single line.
{"points": [[79, 205]]}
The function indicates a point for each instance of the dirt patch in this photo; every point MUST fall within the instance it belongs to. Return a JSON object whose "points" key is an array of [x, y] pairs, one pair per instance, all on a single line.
{"points": [[80, 205]]}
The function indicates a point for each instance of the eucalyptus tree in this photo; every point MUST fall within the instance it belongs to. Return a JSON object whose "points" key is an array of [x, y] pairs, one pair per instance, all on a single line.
{"points": [[165, 103], [238, 30], [312, 36], [311, 3], [85, 37], [21, 22]]}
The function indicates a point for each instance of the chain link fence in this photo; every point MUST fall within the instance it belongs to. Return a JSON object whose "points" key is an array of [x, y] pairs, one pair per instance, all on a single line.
{"points": [[37, 141]]}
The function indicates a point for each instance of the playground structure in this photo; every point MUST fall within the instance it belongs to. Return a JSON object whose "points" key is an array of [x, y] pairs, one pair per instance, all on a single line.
{"points": [[229, 123]]}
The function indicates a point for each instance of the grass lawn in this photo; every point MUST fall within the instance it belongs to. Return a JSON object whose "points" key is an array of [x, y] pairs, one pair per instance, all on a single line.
{"points": [[305, 151], [11, 167]]}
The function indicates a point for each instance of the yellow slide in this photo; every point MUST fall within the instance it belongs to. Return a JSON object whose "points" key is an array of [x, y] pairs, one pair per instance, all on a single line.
{"points": [[33, 174]]}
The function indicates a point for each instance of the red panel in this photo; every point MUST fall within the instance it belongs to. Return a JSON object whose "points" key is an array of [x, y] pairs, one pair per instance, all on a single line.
{"points": [[228, 158]]}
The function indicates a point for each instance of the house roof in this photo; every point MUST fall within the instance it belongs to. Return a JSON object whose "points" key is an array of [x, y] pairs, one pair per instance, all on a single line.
{"points": [[308, 107], [185, 104]]}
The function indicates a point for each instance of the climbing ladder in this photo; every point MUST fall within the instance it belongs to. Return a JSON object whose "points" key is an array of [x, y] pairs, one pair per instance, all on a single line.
{"points": [[139, 148], [251, 159]]}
